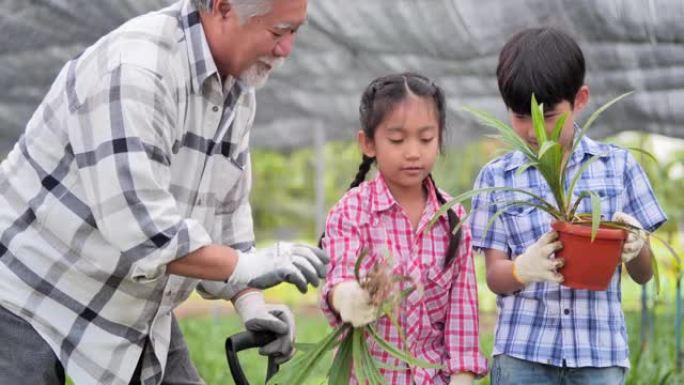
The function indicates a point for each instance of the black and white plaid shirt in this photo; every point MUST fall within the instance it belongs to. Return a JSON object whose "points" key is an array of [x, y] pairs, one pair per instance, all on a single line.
{"points": [[137, 156]]}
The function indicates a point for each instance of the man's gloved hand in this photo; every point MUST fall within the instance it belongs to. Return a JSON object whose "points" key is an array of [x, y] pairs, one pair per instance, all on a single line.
{"points": [[259, 316], [294, 263], [353, 304], [534, 265], [636, 237], [462, 379]]}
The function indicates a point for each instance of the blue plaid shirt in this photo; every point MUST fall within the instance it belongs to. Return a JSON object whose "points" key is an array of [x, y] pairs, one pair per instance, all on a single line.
{"points": [[546, 322]]}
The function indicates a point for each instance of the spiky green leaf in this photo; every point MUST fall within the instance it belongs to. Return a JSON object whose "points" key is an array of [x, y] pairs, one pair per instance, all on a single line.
{"points": [[643, 152], [576, 177], [357, 264], [595, 116], [399, 354], [357, 345], [537, 113], [302, 365], [558, 128], [524, 168], [595, 214], [340, 370], [507, 134]]}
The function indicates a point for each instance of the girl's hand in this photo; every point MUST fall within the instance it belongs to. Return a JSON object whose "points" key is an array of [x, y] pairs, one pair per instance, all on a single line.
{"points": [[353, 304], [462, 379]]}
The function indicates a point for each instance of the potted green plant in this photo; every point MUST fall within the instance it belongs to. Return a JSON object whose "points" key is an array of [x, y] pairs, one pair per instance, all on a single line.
{"points": [[591, 245]]}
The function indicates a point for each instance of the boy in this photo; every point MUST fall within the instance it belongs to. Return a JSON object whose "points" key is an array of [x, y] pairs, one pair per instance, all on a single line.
{"points": [[547, 333]]}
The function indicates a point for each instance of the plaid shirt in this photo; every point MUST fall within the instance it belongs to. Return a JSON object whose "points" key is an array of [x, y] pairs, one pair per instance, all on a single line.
{"points": [[546, 322], [441, 321], [136, 157]]}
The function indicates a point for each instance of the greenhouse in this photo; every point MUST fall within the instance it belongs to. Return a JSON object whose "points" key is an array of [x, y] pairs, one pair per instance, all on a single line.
{"points": [[303, 142]]}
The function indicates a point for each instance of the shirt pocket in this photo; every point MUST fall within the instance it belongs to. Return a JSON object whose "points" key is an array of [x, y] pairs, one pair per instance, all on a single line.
{"points": [[608, 190], [519, 204], [439, 282], [522, 219], [226, 172]]}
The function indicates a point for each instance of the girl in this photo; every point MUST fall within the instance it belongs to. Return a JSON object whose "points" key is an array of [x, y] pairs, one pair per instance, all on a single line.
{"points": [[402, 123]]}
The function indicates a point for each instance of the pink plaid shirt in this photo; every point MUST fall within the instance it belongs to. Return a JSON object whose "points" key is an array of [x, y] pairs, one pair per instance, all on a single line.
{"points": [[440, 321]]}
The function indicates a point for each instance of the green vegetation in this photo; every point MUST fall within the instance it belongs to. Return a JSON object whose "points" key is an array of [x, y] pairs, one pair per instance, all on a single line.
{"points": [[283, 183], [282, 200], [350, 341], [205, 337], [548, 157]]}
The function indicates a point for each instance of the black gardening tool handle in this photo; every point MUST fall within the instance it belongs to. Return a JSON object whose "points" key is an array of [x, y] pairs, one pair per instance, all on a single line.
{"points": [[243, 341]]}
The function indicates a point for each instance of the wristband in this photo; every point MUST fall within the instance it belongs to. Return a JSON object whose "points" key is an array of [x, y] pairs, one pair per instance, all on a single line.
{"points": [[516, 276], [249, 305]]}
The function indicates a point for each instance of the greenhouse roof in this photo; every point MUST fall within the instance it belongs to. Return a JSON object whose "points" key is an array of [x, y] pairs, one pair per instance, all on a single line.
{"points": [[629, 45]]}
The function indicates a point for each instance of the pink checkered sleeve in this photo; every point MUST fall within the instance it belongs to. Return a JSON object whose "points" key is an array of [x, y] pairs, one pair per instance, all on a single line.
{"points": [[342, 243], [461, 333]]}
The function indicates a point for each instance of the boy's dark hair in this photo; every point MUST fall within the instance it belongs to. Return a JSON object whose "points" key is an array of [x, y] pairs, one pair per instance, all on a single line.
{"points": [[544, 61], [380, 97]]}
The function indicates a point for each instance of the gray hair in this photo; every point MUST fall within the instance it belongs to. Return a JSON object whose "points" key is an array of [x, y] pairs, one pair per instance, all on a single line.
{"points": [[245, 9]]}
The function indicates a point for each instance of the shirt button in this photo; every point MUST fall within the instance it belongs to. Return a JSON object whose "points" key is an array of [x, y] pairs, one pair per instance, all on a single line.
{"points": [[215, 108], [566, 311]]}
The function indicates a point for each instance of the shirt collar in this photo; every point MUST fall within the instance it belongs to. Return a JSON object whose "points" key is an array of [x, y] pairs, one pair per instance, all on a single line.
{"points": [[588, 146], [202, 64], [585, 146], [382, 199]]}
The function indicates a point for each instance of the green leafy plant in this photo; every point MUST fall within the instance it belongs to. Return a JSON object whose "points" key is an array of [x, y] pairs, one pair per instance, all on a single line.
{"points": [[351, 341], [549, 158]]}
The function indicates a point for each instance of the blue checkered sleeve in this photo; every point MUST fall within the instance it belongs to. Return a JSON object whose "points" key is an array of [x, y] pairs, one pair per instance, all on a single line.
{"points": [[483, 209], [639, 198]]}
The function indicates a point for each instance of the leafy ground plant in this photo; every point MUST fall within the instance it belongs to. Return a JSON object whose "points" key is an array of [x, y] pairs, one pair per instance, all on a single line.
{"points": [[353, 354]]}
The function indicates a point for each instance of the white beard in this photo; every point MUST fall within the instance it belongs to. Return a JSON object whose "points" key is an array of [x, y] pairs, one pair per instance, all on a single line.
{"points": [[257, 74]]}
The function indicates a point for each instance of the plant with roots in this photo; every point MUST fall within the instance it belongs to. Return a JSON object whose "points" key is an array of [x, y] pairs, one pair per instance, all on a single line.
{"points": [[353, 354]]}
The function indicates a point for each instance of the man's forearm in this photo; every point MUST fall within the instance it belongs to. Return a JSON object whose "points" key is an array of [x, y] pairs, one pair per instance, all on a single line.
{"points": [[212, 262]]}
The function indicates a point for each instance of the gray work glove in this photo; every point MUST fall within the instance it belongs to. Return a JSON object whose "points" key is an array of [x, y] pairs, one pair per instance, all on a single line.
{"points": [[284, 261], [258, 316]]}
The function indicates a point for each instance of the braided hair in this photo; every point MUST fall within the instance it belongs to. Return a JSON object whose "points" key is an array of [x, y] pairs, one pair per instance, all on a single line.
{"points": [[455, 238], [379, 98]]}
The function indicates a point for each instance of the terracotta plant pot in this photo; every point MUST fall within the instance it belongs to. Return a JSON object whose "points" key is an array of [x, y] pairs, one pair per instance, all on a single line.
{"points": [[588, 265]]}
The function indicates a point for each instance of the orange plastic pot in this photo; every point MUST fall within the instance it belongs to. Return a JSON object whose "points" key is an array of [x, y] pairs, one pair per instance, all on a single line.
{"points": [[588, 265]]}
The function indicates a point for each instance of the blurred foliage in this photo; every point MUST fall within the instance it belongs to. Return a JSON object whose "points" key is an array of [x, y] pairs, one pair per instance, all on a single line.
{"points": [[205, 337], [667, 178], [653, 363], [666, 175], [283, 192]]}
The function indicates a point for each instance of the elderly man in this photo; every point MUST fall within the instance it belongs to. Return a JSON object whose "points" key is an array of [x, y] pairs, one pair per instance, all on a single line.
{"points": [[130, 188]]}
